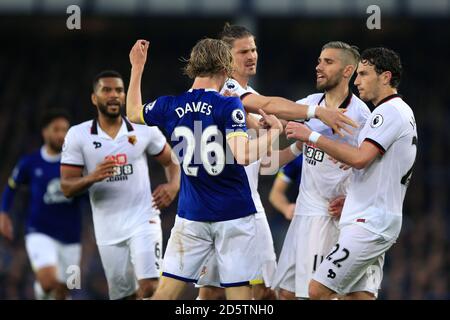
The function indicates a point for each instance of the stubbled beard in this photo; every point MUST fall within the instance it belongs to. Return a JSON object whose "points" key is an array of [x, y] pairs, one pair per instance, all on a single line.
{"points": [[103, 108]]}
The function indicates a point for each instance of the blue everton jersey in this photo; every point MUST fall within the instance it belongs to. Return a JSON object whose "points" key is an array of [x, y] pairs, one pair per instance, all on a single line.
{"points": [[198, 122], [292, 171], [49, 211]]}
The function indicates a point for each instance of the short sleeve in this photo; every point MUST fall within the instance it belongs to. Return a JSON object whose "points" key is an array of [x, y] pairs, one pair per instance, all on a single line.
{"points": [[72, 153], [364, 115], [157, 141], [233, 119], [291, 171], [234, 87], [153, 113], [302, 101], [383, 127]]}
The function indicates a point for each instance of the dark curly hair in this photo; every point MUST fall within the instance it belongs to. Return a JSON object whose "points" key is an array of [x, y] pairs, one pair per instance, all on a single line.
{"points": [[52, 114], [384, 59]]}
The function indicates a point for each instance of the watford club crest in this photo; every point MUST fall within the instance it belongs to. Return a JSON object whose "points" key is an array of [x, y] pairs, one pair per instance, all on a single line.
{"points": [[132, 140]]}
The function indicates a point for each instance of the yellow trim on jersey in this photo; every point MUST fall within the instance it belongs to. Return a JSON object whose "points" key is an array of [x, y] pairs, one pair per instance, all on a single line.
{"points": [[12, 183], [237, 134], [142, 115], [281, 175], [256, 281]]}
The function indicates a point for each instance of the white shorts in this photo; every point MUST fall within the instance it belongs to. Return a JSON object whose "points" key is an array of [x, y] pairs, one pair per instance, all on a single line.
{"points": [[191, 243], [45, 251], [266, 255], [355, 263], [136, 258], [308, 240]]}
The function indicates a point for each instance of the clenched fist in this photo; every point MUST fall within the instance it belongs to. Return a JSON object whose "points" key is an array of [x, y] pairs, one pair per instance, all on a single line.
{"points": [[138, 53]]}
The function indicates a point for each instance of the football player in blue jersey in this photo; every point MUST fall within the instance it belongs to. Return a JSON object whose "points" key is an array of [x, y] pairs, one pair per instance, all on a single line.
{"points": [[216, 212], [53, 227]]}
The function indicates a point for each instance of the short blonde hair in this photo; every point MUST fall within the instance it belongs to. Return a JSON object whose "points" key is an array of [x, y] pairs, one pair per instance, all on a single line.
{"points": [[351, 52], [208, 58]]}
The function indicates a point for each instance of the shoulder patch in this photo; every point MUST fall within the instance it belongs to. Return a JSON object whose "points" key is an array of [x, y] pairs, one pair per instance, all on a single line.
{"points": [[149, 106], [377, 121], [231, 85], [238, 116]]}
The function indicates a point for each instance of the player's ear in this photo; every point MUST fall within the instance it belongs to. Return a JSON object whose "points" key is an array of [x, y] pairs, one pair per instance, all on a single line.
{"points": [[44, 134], [348, 70], [386, 76], [94, 99]]}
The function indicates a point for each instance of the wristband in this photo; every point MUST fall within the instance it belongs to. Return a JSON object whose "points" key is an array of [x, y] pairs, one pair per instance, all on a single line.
{"points": [[295, 151], [311, 112], [313, 137]]}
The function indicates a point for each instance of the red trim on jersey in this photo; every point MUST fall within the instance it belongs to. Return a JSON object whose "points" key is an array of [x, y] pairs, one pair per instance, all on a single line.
{"points": [[361, 220], [156, 155], [72, 165], [376, 144]]}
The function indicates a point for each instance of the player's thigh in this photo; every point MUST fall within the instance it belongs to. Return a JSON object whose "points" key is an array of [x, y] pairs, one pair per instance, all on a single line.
{"points": [[209, 274], [146, 251], [265, 249], [42, 251], [189, 245], [368, 285], [349, 260], [69, 257], [316, 235], [119, 271], [236, 251], [284, 277]]}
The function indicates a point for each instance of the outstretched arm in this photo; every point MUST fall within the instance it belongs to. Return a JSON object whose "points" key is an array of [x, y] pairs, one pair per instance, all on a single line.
{"points": [[357, 157], [289, 110]]}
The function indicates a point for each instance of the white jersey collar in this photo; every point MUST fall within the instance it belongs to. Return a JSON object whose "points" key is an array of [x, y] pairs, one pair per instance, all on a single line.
{"points": [[124, 129], [49, 157]]}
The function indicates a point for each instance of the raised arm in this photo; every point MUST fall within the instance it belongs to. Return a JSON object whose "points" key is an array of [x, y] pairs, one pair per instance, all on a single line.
{"points": [[138, 57]]}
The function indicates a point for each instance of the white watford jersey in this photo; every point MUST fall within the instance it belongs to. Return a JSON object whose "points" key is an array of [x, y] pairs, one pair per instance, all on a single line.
{"points": [[376, 193], [322, 180], [252, 170], [122, 203]]}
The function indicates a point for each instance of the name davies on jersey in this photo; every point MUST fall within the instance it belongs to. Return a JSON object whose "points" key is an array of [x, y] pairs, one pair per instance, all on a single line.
{"points": [[200, 106]]}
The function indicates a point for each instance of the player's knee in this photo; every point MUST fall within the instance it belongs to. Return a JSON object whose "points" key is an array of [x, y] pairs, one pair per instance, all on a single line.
{"points": [[261, 292], [286, 295], [48, 283], [147, 288], [211, 293], [317, 291]]}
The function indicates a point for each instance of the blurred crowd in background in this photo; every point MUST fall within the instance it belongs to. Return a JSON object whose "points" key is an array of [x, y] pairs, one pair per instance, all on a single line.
{"points": [[43, 65]]}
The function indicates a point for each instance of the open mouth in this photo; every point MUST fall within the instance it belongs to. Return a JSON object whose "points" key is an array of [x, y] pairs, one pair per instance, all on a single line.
{"points": [[113, 104], [320, 76]]}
